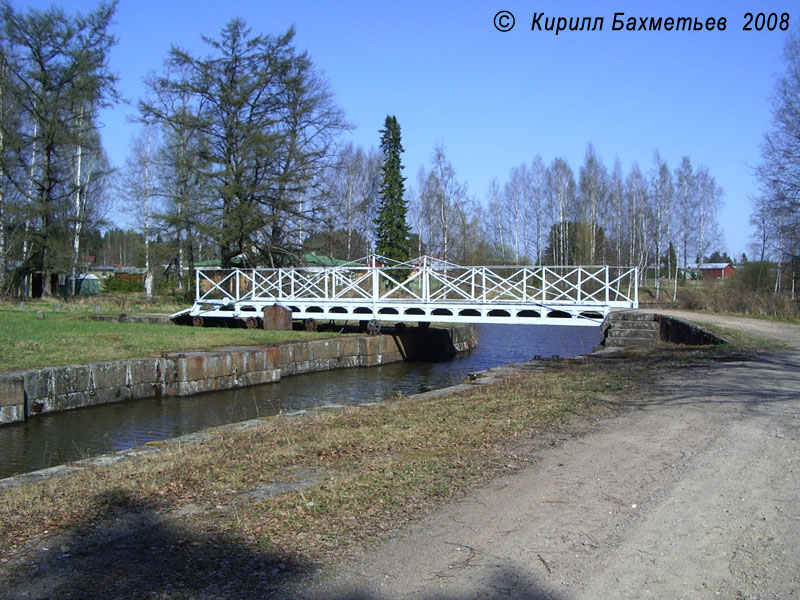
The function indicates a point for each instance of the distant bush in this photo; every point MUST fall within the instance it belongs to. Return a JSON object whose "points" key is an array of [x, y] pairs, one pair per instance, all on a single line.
{"points": [[747, 293], [124, 285]]}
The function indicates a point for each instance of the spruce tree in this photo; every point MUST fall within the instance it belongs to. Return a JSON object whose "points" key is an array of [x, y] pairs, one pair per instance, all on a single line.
{"points": [[392, 232]]}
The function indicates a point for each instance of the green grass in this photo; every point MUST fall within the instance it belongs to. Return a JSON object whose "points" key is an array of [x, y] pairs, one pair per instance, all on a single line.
{"points": [[69, 338]]}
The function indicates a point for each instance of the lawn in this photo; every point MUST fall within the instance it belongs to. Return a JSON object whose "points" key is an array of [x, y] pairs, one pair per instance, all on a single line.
{"points": [[27, 341]]}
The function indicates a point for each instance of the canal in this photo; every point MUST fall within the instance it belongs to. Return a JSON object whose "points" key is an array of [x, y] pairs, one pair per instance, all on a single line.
{"points": [[53, 439]]}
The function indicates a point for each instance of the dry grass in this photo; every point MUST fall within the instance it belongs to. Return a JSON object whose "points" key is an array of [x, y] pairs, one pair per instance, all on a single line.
{"points": [[370, 469]]}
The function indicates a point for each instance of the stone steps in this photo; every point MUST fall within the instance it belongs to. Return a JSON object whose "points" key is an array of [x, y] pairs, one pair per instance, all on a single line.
{"points": [[632, 329]]}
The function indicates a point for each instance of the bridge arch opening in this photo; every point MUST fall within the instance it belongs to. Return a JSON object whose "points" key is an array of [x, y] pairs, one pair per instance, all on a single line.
{"points": [[558, 314]]}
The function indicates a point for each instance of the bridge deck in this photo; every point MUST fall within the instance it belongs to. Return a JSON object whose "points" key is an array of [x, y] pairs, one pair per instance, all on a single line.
{"points": [[420, 291]]}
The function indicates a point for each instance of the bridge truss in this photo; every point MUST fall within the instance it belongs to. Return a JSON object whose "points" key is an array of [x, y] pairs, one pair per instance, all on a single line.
{"points": [[422, 290]]}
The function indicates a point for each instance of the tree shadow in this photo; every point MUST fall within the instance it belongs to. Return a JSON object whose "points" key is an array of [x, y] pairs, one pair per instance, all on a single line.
{"points": [[134, 551], [504, 584], [751, 382]]}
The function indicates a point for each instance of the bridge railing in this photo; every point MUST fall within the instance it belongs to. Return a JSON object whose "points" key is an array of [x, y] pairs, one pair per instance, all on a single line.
{"points": [[426, 281]]}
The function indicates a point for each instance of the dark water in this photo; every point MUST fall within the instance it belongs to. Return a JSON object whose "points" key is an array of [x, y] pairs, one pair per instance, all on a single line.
{"points": [[54, 439]]}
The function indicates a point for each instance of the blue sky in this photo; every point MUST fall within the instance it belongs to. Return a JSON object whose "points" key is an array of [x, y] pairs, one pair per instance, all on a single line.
{"points": [[495, 100]]}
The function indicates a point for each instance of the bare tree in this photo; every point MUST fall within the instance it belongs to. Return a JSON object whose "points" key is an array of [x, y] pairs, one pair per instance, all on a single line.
{"points": [[639, 219], [661, 184], [441, 197], [561, 196], [709, 200], [594, 196], [140, 186]]}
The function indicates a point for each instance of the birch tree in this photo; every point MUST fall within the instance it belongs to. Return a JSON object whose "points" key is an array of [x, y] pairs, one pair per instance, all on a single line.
{"points": [[141, 190], [593, 188], [442, 197], [661, 183], [561, 188]]}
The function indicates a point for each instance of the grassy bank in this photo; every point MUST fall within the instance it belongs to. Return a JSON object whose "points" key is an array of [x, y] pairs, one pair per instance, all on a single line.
{"points": [[734, 297], [373, 467], [357, 473], [66, 337]]}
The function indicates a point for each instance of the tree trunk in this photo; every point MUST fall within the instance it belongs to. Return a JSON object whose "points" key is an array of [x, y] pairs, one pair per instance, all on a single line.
{"points": [[78, 214]]}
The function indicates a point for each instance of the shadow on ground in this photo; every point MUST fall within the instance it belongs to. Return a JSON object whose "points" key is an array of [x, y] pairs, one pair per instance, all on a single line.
{"points": [[135, 552], [752, 383], [504, 584]]}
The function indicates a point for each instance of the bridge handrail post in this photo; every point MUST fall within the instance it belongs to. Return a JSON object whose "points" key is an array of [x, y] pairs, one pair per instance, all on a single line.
{"points": [[607, 285], [375, 285], [580, 285], [426, 281], [544, 285], [524, 284]]}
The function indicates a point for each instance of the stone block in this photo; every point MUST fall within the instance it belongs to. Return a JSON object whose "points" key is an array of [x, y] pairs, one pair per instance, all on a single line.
{"points": [[168, 371], [349, 361], [143, 390], [12, 414], [277, 318], [324, 349], [262, 377], [301, 352], [237, 361], [349, 346], [372, 360], [192, 367], [372, 345], [68, 379], [12, 390], [143, 370], [105, 395], [35, 383], [286, 354], [111, 374], [273, 358]]}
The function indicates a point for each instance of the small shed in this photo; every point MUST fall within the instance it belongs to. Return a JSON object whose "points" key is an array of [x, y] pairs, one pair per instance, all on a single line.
{"points": [[716, 270]]}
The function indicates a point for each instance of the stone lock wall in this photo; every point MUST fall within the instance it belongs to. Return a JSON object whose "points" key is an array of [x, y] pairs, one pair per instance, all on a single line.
{"points": [[39, 391]]}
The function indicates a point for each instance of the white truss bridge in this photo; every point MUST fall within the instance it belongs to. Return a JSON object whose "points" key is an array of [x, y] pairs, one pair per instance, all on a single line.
{"points": [[420, 291]]}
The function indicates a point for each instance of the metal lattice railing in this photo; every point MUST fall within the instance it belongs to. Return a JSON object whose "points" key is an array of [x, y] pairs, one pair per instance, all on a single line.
{"points": [[427, 284]]}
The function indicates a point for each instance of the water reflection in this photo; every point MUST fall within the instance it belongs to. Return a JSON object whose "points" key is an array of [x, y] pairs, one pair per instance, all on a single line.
{"points": [[53, 439]]}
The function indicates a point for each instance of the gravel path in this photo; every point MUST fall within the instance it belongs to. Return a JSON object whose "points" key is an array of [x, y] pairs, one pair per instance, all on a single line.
{"points": [[692, 493]]}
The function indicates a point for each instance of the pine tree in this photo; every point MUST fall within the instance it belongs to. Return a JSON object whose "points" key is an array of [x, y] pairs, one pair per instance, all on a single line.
{"points": [[392, 232]]}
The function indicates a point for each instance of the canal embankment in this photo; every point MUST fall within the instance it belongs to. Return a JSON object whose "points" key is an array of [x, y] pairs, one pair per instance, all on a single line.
{"points": [[644, 328], [32, 392]]}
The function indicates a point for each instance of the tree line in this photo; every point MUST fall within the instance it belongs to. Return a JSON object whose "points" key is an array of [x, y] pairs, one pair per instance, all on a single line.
{"points": [[239, 155], [776, 210]]}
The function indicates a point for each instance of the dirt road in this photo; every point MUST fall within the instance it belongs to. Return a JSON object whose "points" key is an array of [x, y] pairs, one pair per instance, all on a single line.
{"points": [[693, 493]]}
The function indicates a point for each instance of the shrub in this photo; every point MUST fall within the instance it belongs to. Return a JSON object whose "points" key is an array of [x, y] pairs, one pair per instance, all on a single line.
{"points": [[125, 285]]}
